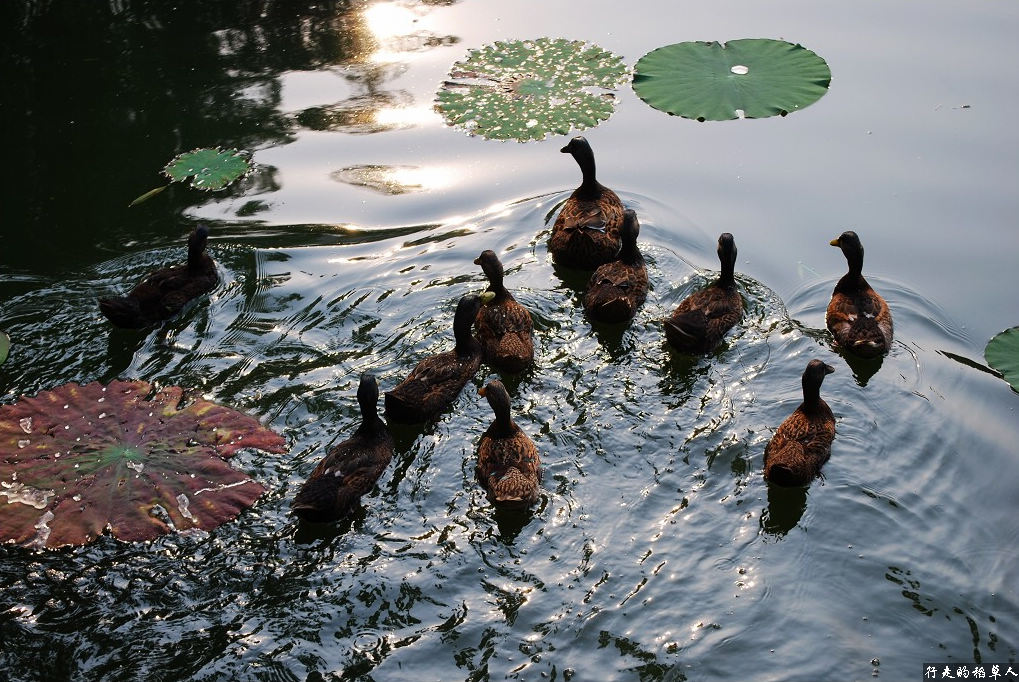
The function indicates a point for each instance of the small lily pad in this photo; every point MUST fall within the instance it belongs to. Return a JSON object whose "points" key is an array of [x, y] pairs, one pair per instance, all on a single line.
{"points": [[1002, 353], [78, 460], [209, 169], [5, 347], [711, 81], [527, 89]]}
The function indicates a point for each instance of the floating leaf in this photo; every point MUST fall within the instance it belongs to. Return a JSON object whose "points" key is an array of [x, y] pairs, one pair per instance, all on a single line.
{"points": [[76, 460], [1002, 353], [384, 179], [148, 195], [710, 81], [526, 89], [209, 169], [5, 346]]}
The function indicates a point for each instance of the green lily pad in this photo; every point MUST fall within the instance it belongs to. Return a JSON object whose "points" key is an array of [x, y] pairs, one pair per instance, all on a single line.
{"points": [[77, 460], [209, 169], [751, 78], [1002, 353], [527, 89], [5, 346]]}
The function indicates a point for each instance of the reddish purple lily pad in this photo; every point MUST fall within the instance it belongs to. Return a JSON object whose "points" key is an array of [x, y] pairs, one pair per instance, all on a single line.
{"points": [[76, 460]]}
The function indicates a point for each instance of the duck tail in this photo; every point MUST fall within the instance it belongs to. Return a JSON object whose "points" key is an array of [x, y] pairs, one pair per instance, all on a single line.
{"points": [[123, 311], [686, 331], [402, 411], [616, 309], [324, 499], [512, 488], [782, 475]]}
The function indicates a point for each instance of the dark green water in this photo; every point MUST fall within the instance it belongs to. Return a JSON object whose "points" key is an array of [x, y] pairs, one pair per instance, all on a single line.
{"points": [[657, 551]]}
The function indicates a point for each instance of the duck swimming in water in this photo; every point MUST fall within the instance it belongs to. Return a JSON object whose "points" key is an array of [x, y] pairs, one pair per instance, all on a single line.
{"points": [[702, 318], [508, 466], [351, 468], [504, 327], [163, 293], [857, 316], [617, 289], [586, 232], [436, 381], [802, 443]]}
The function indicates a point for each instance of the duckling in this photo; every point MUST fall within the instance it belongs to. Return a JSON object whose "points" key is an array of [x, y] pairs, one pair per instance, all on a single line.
{"points": [[586, 232], [618, 288], [702, 318], [163, 293], [436, 381], [504, 326], [802, 443], [352, 467], [508, 466], [857, 316]]}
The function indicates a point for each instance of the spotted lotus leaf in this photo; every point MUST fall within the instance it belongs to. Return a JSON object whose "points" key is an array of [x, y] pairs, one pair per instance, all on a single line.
{"points": [[76, 460], [749, 78], [527, 89], [208, 168]]}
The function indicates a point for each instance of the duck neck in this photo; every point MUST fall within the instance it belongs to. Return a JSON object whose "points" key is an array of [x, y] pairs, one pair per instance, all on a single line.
{"points": [[195, 253], [503, 422], [855, 260], [811, 396], [728, 276], [629, 252], [496, 286], [589, 187], [465, 341], [370, 421]]}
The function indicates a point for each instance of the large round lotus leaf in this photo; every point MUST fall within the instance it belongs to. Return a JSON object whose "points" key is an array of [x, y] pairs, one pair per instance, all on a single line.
{"points": [[5, 346], [77, 460], [208, 168], [1002, 353], [527, 89], [751, 78]]}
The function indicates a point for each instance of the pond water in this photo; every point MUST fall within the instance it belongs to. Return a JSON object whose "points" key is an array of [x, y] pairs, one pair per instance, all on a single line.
{"points": [[657, 551]]}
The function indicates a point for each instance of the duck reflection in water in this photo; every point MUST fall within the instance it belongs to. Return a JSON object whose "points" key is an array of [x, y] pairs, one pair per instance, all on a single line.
{"points": [[785, 509]]}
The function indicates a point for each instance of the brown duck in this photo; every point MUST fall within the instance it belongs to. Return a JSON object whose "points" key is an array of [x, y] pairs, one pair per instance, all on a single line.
{"points": [[617, 289], [504, 326], [858, 317], [163, 293], [586, 232], [436, 381], [351, 468], [508, 466], [702, 318], [802, 443]]}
